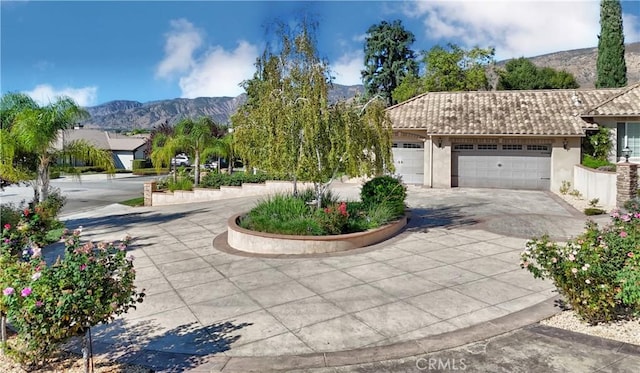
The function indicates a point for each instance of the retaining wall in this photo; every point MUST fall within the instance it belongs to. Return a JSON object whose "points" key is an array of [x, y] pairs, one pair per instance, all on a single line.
{"points": [[595, 184], [204, 194]]}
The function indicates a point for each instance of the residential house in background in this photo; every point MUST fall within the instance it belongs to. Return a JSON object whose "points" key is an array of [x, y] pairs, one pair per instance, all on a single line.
{"points": [[620, 113], [124, 148], [507, 139]]}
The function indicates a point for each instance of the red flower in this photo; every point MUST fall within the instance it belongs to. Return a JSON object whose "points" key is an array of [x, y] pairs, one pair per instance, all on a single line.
{"points": [[7, 226], [630, 254], [26, 212]]}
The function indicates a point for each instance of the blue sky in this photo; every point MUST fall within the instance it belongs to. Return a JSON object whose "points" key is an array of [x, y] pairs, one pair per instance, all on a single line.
{"points": [[98, 51]]}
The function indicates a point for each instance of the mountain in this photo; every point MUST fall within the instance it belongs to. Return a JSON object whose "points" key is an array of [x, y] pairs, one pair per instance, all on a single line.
{"points": [[582, 63], [126, 115]]}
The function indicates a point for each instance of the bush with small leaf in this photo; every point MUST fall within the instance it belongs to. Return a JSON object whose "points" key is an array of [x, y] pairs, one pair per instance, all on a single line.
{"points": [[387, 190], [597, 272]]}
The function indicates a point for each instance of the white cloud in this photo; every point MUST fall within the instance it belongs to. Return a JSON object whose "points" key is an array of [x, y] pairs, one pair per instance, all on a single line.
{"points": [[347, 68], [515, 28], [215, 72], [44, 94], [181, 42], [220, 72]]}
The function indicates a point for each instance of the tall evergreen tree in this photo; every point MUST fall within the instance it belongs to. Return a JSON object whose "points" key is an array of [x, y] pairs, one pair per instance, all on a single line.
{"points": [[521, 73], [388, 58], [611, 66]]}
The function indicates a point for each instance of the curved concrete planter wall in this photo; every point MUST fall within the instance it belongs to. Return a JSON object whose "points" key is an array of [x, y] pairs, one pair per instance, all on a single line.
{"points": [[268, 243]]}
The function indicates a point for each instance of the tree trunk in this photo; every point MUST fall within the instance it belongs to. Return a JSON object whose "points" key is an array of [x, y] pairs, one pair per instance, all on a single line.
{"points": [[295, 185], [3, 327], [318, 189], [42, 181], [175, 172], [87, 353], [197, 172]]}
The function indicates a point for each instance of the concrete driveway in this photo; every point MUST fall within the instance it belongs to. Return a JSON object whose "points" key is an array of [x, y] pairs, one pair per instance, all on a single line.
{"points": [[455, 269]]}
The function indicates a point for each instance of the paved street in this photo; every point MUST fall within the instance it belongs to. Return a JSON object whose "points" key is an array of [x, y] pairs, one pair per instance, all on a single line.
{"points": [[84, 194], [452, 276]]}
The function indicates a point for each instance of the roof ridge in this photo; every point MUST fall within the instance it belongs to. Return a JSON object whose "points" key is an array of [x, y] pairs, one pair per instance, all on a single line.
{"points": [[624, 90]]}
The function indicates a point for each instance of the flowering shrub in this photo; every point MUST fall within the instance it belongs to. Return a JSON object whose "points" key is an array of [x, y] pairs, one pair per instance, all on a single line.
{"points": [[334, 219], [50, 304], [598, 272]]}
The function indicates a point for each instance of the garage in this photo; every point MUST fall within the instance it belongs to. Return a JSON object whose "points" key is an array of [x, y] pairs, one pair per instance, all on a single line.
{"points": [[408, 158], [493, 165]]}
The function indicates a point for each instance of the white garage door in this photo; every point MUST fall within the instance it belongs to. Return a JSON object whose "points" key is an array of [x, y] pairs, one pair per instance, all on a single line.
{"points": [[511, 166], [409, 161]]}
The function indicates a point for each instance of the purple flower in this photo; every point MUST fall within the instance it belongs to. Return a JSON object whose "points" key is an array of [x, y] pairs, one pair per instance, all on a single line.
{"points": [[8, 291], [626, 218], [623, 234], [25, 292], [39, 303], [83, 267]]}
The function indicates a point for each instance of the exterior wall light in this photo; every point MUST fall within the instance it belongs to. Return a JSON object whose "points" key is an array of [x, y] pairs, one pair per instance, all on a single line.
{"points": [[440, 142], [626, 152], [565, 144]]}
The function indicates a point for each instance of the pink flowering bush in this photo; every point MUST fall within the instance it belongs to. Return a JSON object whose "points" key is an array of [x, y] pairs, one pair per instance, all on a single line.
{"points": [[334, 219], [47, 305], [597, 272]]}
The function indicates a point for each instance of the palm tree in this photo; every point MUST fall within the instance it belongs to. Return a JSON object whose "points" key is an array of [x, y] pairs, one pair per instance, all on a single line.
{"points": [[35, 130], [223, 147], [195, 137]]}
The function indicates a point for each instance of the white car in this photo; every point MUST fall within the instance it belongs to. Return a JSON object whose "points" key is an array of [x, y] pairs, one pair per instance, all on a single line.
{"points": [[180, 160]]}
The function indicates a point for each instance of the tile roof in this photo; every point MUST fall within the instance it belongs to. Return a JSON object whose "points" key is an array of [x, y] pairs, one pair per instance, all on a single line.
{"points": [[540, 112], [625, 103], [102, 139]]}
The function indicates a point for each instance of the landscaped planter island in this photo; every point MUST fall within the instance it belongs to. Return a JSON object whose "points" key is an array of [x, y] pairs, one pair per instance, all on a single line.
{"points": [[268, 243]]}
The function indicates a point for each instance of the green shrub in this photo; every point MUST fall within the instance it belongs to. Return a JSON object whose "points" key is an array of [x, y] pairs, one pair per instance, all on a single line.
{"points": [[54, 174], [633, 205], [215, 180], [591, 162], [138, 163], [10, 214], [150, 171], [597, 272], [590, 211], [182, 183], [297, 215], [385, 189], [282, 214]]}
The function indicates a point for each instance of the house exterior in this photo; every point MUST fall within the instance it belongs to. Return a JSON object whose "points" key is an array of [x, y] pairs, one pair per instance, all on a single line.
{"points": [[500, 139], [621, 114], [124, 148]]}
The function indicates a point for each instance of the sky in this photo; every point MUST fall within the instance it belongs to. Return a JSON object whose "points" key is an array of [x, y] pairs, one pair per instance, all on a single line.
{"points": [[99, 51]]}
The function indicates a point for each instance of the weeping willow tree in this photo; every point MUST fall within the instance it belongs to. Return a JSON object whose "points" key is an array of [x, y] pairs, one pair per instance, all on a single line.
{"points": [[288, 126], [29, 136]]}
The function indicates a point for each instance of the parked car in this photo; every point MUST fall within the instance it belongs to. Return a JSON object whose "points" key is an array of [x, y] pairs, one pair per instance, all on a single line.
{"points": [[210, 165], [180, 160]]}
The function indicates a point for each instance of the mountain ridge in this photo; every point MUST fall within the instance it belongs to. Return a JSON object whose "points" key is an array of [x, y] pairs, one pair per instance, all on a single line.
{"points": [[128, 114]]}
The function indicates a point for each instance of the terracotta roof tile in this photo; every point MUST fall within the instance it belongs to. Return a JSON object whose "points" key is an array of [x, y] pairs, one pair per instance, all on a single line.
{"points": [[543, 112], [625, 103]]}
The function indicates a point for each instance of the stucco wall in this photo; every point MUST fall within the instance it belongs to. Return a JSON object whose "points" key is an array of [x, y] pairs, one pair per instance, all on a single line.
{"points": [[205, 195], [563, 161], [441, 166], [596, 184]]}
